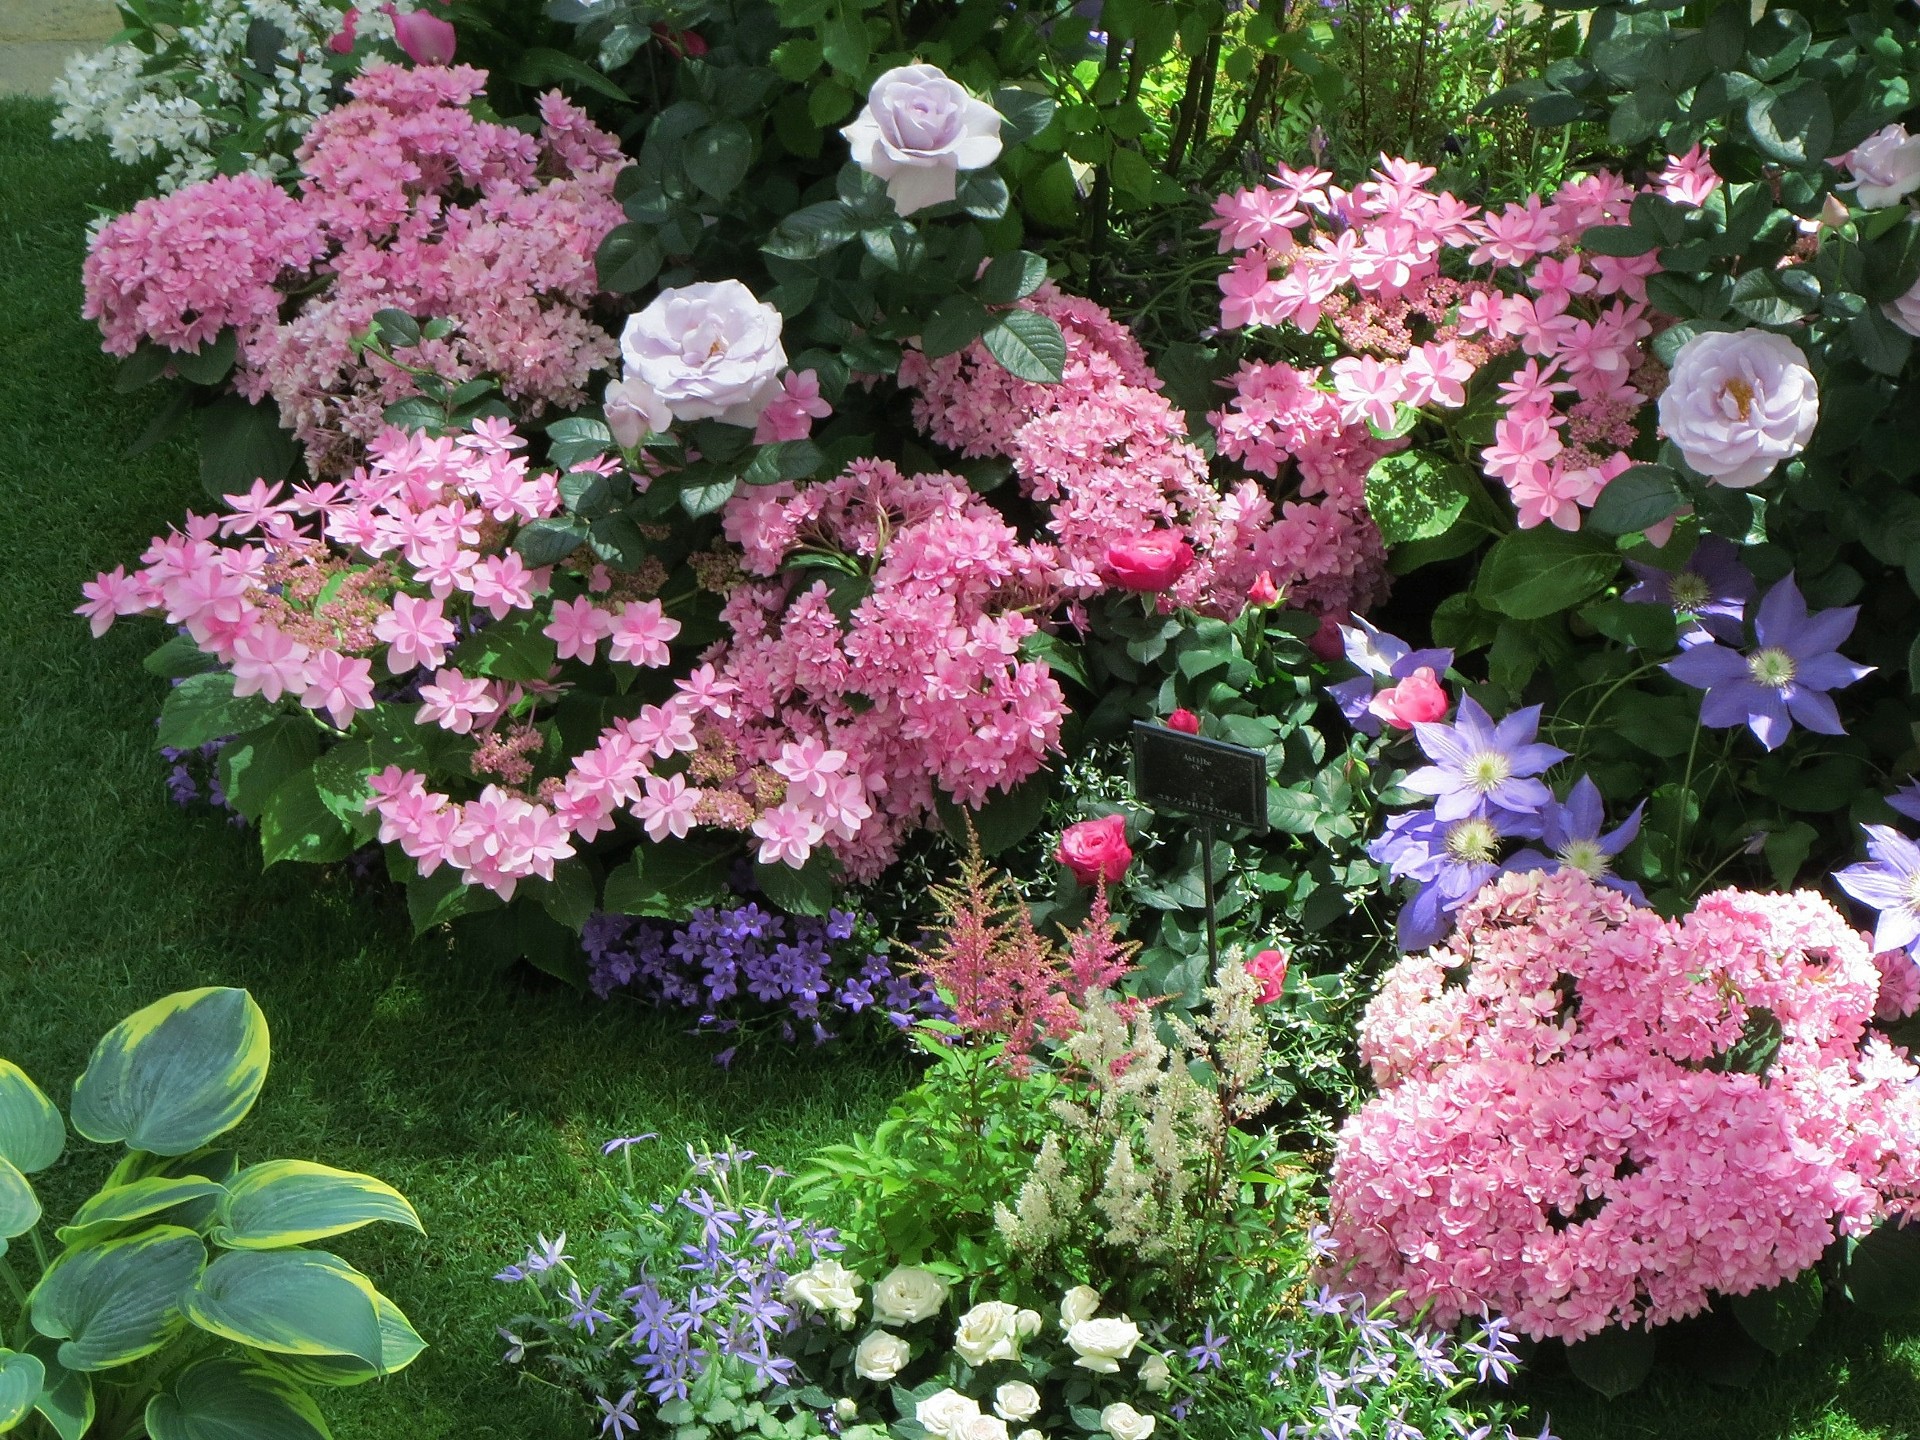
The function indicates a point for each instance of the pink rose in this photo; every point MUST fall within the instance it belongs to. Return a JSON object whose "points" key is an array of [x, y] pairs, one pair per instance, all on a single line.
{"points": [[1269, 967], [341, 43], [1185, 721], [1417, 698], [1096, 850], [427, 39], [1149, 562], [1739, 402], [1263, 591], [707, 351], [1885, 167], [919, 130]]}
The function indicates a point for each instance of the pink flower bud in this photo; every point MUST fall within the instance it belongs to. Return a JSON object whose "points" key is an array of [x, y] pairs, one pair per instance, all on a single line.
{"points": [[1262, 591], [1185, 721], [1149, 562], [341, 43], [1417, 698], [427, 39], [1096, 850], [1269, 967]]}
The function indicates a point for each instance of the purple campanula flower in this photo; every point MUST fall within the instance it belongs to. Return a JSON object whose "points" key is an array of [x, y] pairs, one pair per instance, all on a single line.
{"points": [[1889, 883], [1207, 1355], [617, 1419], [516, 1346], [626, 1142], [1710, 593], [1379, 657], [586, 1313], [1571, 830], [1795, 662], [1481, 768], [1492, 1350], [549, 1254]]}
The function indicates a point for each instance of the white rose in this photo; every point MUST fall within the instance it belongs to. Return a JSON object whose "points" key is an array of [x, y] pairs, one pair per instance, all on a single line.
{"points": [[880, 1356], [1030, 1435], [907, 1295], [1885, 167], [827, 1285], [707, 352], [1738, 403], [1027, 1323], [1154, 1373], [1103, 1344], [943, 1413], [988, 1332], [634, 411], [846, 1407], [918, 131], [1123, 1422], [981, 1427], [1080, 1303], [1016, 1400]]}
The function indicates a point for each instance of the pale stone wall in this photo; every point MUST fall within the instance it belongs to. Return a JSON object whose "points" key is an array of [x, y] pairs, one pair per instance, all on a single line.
{"points": [[37, 36]]}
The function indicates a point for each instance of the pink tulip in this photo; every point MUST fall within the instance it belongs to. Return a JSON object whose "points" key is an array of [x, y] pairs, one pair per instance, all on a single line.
{"points": [[427, 39], [1149, 562]]}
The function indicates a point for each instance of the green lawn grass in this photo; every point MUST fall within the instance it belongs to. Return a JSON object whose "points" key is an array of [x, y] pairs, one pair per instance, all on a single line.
{"points": [[483, 1096]]}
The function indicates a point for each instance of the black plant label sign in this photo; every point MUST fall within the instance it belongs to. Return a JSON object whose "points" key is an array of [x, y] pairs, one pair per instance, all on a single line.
{"points": [[1208, 779]]}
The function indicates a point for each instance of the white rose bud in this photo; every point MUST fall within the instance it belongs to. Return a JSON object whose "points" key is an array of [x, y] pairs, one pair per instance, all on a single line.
{"points": [[1030, 1435], [1154, 1373], [1738, 403], [880, 1356], [827, 1285], [1028, 1323], [907, 1295], [1080, 1303], [634, 411], [1016, 1400], [918, 131], [846, 1407], [1123, 1422], [981, 1427], [943, 1413], [988, 1332], [1103, 1344], [1885, 167], [709, 351]]}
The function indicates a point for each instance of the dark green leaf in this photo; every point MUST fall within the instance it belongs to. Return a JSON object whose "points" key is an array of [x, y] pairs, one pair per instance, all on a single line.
{"points": [[1637, 497], [203, 707], [806, 891], [1883, 1270], [1011, 277], [1028, 345], [1614, 1361], [297, 824], [254, 765], [1023, 114], [811, 232], [210, 364], [540, 67], [628, 258], [717, 157], [1793, 125], [1530, 574], [955, 324], [241, 443], [1413, 496], [548, 542]]}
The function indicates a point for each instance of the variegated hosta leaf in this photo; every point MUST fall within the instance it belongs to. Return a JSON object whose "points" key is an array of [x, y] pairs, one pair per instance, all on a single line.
{"points": [[292, 1202], [19, 1206], [32, 1134], [117, 1301], [106, 1212], [20, 1378], [290, 1302], [400, 1345], [225, 1398], [66, 1396], [174, 1075]]}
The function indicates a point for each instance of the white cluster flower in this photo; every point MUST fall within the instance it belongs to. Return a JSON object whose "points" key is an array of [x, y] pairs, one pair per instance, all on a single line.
{"points": [[146, 108]]}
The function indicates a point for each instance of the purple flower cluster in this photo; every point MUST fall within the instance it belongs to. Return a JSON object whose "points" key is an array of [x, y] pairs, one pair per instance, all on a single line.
{"points": [[194, 777], [749, 965]]}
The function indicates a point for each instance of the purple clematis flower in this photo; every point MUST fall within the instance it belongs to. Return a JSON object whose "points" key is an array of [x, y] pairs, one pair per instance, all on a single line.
{"points": [[1889, 883], [1378, 656], [1571, 830], [1450, 859], [1795, 661], [1481, 768], [1709, 593], [1907, 800]]}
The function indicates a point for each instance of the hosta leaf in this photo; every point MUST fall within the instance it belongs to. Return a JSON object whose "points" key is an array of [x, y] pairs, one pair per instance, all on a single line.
{"points": [[19, 1206], [226, 1398], [66, 1399], [291, 1202], [400, 1345], [21, 1377], [32, 1135], [109, 1209], [115, 1302], [174, 1075], [291, 1302]]}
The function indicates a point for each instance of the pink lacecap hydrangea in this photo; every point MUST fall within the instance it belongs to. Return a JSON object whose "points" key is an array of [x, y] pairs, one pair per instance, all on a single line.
{"points": [[1554, 1140], [1110, 457], [1383, 264], [406, 201]]}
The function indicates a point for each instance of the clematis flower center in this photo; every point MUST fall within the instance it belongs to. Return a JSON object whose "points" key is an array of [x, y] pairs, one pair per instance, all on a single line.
{"points": [[1689, 591], [1586, 857], [1741, 392], [1771, 666], [1488, 770], [1913, 892], [1472, 842]]}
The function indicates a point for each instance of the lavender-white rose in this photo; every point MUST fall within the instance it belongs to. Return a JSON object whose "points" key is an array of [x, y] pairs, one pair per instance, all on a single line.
{"points": [[880, 1356], [709, 351], [918, 131], [1123, 1422], [1103, 1344], [943, 1412], [827, 1286], [1885, 167], [1016, 1400], [634, 411], [1080, 1303], [906, 1295], [988, 1332], [1737, 403]]}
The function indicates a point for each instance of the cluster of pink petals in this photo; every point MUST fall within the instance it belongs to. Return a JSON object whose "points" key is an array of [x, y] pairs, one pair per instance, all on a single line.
{"points": [[178, 269], [1111, 459], [1554, 1141], [1375, 261], [407, 201], [922, 689]]}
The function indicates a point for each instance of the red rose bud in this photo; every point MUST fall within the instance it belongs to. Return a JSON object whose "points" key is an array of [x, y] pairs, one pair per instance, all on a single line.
{"points": [[1327, 642], [683, 44], [1269, 967], [1262, 591], [1149, 562], [1096, 850], [1417, 698], [1185, 721], [426, 39], [341, 43]]}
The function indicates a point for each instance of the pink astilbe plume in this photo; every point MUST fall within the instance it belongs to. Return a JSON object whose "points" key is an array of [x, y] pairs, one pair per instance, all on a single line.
{"points": [[1006, 981], [1579, 1123]]}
